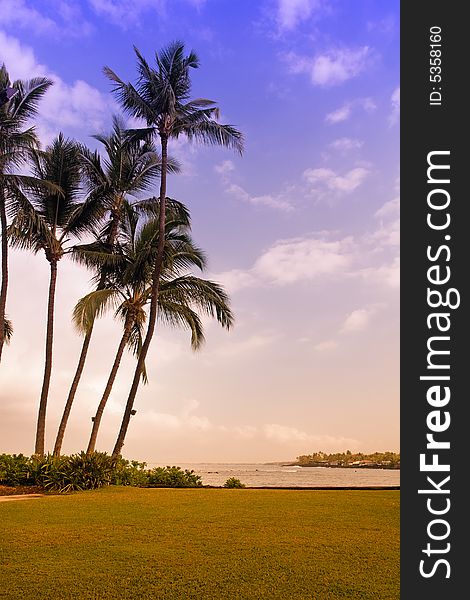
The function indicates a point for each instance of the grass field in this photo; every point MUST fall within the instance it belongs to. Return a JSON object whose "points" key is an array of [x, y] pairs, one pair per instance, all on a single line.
{"points": [[132, 544]]}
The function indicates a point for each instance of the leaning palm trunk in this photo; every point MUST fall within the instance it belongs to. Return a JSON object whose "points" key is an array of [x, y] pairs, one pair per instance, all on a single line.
{"points": [[3, 292], [153, 304], [112, 376], [73, 390], [83, 354], [41, 424]]}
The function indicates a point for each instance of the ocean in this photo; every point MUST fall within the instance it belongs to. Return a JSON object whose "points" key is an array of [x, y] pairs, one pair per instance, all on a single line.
{"points": [[269, 475]]}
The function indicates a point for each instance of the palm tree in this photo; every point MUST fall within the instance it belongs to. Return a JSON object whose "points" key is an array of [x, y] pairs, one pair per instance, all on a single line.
{"points": [[161, 98], [7, 330], [181, 295], [16, 141], [46, 222], [130, 166]]}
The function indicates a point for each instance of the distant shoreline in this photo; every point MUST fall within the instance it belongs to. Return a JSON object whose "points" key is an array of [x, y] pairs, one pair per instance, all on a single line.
{"points": [[328, 466]]}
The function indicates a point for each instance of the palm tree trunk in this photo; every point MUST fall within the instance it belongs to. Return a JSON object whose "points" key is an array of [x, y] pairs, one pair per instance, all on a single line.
{"points": [[41, 425], [112, 376], [3, 292], [73, 390], [153, 305], [83, 354]]}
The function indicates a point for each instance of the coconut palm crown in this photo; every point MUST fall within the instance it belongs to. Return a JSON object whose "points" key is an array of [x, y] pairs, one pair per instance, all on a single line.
{"points": [[128, 166], [17, 139], [128, 288], [161, 97], [49, 221]]}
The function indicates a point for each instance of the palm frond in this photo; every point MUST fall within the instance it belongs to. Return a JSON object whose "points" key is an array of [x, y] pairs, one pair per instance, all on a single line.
{"points": [[180, 315], [130, 99], [207, 296], [92, 306], [97, 256], [7, 330], [212, 133], [25, 103]]}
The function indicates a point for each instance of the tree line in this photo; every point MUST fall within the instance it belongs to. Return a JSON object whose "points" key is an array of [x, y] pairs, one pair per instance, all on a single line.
{"points": [[389, 460], [109, 210]]}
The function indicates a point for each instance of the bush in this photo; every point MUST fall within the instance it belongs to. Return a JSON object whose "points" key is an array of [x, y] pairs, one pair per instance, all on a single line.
{"points": [[131, 473], [58, 473], [233, 482], [173, 477], [75, 472], [81, 472], [16, 469]]}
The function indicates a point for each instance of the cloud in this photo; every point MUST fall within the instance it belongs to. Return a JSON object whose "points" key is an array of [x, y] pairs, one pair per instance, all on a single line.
{"points": [[388, 232], [346, 144], [244, 347], [126, 14], [78, 107], [340, 114], [395, 103], [292, 12], [68, 18], [357, 320], [342, 184], [326, 346], [389, 209], [295, 260], [121, 13], [387, 274], [235, 279], [285, 434], [224, 168], [371, 256], [343, 113], [18, 13], [333, 67], [278, 201], [291, 261], [384, 27]]}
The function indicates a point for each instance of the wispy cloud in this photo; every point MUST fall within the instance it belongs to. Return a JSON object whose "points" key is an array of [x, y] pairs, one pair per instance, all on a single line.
{"points": [[326, 346], [344, 112], [291, 261], [395, 104], [125, 14], [66, 19], [332, 67], [322, 178], [387, 274], [291, 13], [371, 257], [286, 434], [357, 320], [346, 144], [279, 201], [78, 106]]}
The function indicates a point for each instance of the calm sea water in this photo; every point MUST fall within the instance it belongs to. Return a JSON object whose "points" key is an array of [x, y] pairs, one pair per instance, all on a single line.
{"points": [[260, 475]]}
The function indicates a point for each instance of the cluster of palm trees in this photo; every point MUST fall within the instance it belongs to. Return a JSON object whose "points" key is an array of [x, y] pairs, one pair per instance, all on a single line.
{"points": [[88, 205]]}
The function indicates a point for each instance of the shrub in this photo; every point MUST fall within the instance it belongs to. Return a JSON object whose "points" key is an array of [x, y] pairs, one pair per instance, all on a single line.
{"points": [[173, 477], [16, 469], [233, 482], [81, 472], [75, 472], [131, 473]]}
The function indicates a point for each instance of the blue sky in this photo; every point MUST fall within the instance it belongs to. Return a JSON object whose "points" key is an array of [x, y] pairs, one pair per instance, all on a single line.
{"points": [[303, 229]]}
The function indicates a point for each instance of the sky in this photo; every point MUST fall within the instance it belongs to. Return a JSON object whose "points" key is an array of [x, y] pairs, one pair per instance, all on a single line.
{"points": [[302, 230]]}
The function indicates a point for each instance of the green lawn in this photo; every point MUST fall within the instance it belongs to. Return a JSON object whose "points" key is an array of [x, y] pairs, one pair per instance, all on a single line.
{"points": [[127, 543]]}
